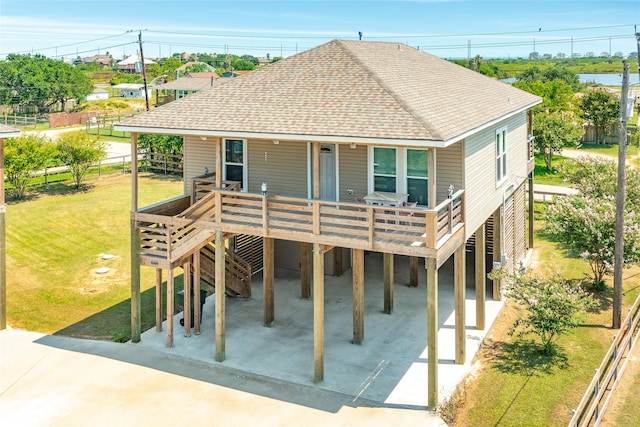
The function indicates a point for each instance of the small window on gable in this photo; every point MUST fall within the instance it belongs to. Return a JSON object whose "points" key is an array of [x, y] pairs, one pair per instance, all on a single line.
{"points": [[501, 155]]}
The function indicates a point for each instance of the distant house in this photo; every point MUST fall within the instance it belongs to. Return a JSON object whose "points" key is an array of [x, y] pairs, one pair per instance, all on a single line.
{"points": [[132, 64], [191, 83], [131, 90], [98, 95], [104, 60]]}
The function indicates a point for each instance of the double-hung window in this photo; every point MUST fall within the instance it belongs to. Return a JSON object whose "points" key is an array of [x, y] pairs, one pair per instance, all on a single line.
{"points": [[417, 178], [401, 170], [501, 155], [234, 161], [384, 169]]}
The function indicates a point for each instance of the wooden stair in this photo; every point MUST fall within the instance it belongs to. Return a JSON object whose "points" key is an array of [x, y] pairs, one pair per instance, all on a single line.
{"points": [[237, 271]]}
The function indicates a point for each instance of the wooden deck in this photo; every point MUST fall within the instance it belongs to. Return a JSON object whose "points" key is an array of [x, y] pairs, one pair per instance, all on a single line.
{"points": [[169, 235]]}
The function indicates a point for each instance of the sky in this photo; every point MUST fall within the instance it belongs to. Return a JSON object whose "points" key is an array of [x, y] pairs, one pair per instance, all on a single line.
{"points": [[445, 28]]}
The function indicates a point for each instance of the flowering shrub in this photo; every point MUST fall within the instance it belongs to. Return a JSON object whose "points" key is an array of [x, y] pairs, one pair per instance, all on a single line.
{"points": [[586, 223], [554, 306]]}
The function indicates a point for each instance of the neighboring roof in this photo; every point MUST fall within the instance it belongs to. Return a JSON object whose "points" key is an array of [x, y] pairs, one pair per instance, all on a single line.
{"points": [[346, 91], [129, 86], [192, 81], [8, 131], [131, 60]]}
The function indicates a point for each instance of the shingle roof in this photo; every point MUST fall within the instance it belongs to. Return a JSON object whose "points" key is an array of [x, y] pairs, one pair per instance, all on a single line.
{"points": [[8, 130], [352, 89], [195, 81]]}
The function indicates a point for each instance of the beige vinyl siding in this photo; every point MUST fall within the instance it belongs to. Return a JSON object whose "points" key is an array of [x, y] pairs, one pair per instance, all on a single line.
{"points": [[449, 171], [198, 154], [482, 197], [282, 166], [353, 172]]}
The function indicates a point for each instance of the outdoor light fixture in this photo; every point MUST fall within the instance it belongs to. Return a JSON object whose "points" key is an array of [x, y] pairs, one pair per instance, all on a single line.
{"points": [[450, 191], [276, 142], [264, 188], [352, 146]]}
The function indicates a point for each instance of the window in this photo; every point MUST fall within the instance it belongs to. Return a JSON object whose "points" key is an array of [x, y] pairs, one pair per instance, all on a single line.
{"points": [[384, 169], [234, 161], [501, 155], [417, 178], [401, 170]]}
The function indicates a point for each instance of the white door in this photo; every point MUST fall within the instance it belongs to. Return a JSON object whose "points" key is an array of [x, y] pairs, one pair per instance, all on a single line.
{"points": [[327, 172]]}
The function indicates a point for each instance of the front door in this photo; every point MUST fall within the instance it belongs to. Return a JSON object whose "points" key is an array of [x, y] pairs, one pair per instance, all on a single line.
{"points": [[327, 172]]}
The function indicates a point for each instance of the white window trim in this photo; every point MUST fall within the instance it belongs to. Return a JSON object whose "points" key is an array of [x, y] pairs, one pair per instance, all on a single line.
{"points": [[503, 156], [401, 168], [244, 161]]}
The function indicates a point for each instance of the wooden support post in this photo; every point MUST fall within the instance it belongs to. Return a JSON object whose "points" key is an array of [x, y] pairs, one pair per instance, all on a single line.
{"points": [[305, 270], [459, 290], [497, 250], [220, 297], [3, 244], [197, 309], [170, 308], [481, 277], [337, 261], [358, 295], [316, 170], [432, 193], [135, 245], [158, 299], [218, 165], [318, 313], [413, 271], [267, 281], [388, 282], [432, 333], [186, 313]]}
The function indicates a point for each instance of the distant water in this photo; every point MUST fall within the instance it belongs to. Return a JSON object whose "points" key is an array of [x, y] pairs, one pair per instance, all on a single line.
{"points": [[604, 79]]}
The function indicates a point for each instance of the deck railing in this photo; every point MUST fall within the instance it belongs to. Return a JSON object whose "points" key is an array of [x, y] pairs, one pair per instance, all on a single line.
{"points": [[401, 230]]}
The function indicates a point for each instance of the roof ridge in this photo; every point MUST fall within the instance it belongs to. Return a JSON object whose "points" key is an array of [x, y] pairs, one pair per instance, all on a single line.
{"points": [[424, 123]]}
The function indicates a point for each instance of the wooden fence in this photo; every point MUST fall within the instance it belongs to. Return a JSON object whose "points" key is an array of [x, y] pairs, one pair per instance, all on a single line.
{"points": [[596, 399], [157, 163], [22, 120]]}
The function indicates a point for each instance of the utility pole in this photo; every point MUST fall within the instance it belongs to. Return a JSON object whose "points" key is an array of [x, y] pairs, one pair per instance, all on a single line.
{"points": [[618, 255], [638, 57], [144, 71]]}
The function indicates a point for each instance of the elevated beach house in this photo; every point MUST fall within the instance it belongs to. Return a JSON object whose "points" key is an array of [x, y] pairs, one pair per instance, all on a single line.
{"points": [[347, 148]]}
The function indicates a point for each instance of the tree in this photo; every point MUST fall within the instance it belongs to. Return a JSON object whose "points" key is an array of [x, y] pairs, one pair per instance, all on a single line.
{"points": [[555, 73], [600, 109], [23, 157], [585, 223], [556, 121], [78, 151], [554, 306], [162, 144], [37, 80], [554, 131]]}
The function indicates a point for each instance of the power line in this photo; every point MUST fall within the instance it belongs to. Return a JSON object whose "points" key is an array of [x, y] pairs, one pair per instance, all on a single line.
{"points": [[67, 45]]}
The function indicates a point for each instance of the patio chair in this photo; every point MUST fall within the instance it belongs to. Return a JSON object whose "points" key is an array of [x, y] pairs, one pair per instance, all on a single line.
{"points": [[408, 205]]}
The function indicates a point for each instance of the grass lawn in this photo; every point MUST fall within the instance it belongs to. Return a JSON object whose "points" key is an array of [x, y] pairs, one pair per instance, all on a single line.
{"points": [[514, 385], [54, 245]]}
